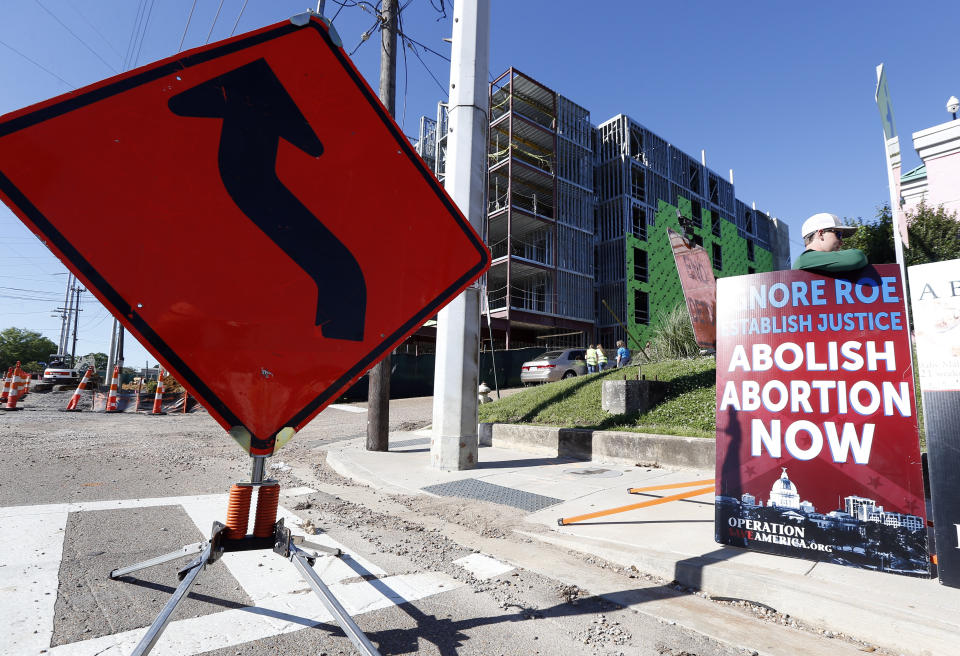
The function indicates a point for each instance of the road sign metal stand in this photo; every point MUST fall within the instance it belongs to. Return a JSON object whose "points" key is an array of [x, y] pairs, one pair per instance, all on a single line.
{"points": [[282, 542]]}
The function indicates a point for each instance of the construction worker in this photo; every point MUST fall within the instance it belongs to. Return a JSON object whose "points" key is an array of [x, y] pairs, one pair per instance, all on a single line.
{"points": [[823, 239], [601, 358], [591, 360]]}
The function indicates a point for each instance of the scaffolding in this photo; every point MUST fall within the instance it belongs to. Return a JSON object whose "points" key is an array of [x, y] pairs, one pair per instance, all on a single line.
{"points": [[540, 211], [635, 171], [572, 217], [426, 144]]}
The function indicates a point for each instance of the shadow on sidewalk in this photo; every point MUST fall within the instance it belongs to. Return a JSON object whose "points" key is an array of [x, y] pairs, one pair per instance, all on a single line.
{"points": [[526, 462], [448, 634], [689, 572]]}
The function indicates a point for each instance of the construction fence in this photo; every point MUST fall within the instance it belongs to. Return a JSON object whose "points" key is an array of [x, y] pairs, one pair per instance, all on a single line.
{"points": [[127, 402], [412, 375]]}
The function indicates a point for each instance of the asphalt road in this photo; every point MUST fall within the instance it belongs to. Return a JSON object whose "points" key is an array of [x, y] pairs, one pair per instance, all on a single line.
{"points": [[85, 493]]}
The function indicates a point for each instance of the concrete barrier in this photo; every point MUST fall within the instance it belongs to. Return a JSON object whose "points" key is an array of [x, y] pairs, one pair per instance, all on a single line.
{"points": [[604, 446], [620, 397]]}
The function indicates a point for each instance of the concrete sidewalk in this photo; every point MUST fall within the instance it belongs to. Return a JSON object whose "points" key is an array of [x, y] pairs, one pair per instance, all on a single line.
{"points": [[672, 540]]}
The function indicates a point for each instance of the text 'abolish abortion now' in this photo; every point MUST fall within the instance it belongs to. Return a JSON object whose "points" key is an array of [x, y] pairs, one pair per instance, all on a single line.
{"points": [[821, 393]]}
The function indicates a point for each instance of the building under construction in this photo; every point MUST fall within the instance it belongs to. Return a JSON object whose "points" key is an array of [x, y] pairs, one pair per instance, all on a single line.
{"points": [[577, 219]]}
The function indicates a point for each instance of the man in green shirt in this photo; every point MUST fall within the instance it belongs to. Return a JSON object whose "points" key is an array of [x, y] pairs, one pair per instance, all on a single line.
{"points": [[823, 238]]}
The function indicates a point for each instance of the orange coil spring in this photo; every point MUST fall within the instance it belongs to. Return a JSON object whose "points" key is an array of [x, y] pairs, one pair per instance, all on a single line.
{"points": [[268, 498], [238, 511]]}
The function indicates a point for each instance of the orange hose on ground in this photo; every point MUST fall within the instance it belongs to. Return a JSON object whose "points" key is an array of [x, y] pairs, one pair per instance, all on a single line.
{"points": [[238, 511], [268, 499], [644, 504]]}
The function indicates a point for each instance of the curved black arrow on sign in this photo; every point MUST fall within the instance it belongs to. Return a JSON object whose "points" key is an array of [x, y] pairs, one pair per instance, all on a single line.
{"points": [[257, 112]]}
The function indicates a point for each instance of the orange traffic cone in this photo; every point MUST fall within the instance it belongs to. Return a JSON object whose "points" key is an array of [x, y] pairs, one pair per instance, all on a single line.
{"points": [[136, 405], [6, 384], [75, 399], [114, 385], [14, 390], [158, 397]]}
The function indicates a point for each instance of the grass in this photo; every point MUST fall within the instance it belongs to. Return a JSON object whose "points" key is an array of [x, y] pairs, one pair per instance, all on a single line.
{"points": [[689, 408]]}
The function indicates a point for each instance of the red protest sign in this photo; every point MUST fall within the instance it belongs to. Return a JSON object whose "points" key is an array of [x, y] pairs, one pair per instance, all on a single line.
{"points": [[817, 443], [299, 236], [699, 288]]}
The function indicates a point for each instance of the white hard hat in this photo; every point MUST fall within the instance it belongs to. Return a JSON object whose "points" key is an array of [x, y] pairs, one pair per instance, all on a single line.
{"points": [[822, 221]]}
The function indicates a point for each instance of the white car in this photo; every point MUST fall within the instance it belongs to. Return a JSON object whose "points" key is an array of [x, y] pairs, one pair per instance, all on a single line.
{"points": [[554, 365]]}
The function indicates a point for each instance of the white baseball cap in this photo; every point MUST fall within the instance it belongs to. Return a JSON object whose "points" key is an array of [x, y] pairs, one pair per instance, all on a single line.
{"points": [[822, 221]]}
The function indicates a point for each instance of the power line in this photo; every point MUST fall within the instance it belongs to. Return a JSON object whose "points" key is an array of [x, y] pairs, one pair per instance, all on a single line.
{"points": [[146, 24], [427, 68], [430, 50], [187, 26], [32, 291], [215, 17], [37, 64], [406, 76], [442, 9], [133, 32], [93, 27], [32, 278], [409, 41], [74, 34], [342, 4], [20, 313], [237, 22], [366, 35], [14, 297]]}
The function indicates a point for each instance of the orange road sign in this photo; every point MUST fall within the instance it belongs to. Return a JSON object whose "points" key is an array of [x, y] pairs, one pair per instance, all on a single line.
{"points": [[302, 238]]}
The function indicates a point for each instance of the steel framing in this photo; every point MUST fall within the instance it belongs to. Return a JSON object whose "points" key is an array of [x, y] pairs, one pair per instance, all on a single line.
{"points": [[570, 206]]}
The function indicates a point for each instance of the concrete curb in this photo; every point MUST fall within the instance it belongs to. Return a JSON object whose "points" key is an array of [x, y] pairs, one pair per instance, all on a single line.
{"points": [[607, 446], [913, 616], [821, 597]]}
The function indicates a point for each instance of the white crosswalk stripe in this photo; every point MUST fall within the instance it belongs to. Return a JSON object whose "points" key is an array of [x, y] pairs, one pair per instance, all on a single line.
{"points": [[346, 408], [31, 549]]}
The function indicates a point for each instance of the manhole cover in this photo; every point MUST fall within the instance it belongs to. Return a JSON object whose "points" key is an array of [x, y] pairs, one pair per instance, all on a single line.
{"points": [[471, 488], [595, 472]]}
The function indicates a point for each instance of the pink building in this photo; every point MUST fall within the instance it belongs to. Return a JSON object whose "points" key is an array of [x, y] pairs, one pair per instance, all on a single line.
{"points": [[937, 180]]}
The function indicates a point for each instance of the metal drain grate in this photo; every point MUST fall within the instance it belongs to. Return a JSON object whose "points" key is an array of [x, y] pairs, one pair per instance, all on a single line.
{"points": [[416, 442], [471, 488]]}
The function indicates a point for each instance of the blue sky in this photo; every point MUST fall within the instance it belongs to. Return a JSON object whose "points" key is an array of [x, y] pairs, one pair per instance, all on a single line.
{"points": [[781, 94]]}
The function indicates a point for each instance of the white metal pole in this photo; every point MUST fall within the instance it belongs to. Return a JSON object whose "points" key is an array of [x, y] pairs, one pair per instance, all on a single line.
{"points": [[111, 357], [65, 317], [891, 151], [455, 440]]}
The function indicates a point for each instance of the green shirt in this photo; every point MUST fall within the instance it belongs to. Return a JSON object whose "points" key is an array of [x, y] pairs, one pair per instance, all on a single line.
{"points": [[850, 259]]}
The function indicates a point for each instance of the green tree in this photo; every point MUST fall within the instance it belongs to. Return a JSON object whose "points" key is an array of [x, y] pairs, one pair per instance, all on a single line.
{"points": [[99, 359], [23, 345], [934, 235], [32, 367], [874, 238]]}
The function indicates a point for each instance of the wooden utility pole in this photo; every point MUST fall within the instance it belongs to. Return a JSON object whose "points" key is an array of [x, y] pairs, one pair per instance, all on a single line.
{"points": [[378, 394]]}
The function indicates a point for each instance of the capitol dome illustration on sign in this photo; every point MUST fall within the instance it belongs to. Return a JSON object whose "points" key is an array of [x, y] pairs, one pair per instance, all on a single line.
{"points": [[784, 493]]}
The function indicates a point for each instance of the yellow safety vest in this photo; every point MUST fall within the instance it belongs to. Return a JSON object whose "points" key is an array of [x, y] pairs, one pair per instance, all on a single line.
{"points": [[591, 357], [601, 356]]}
